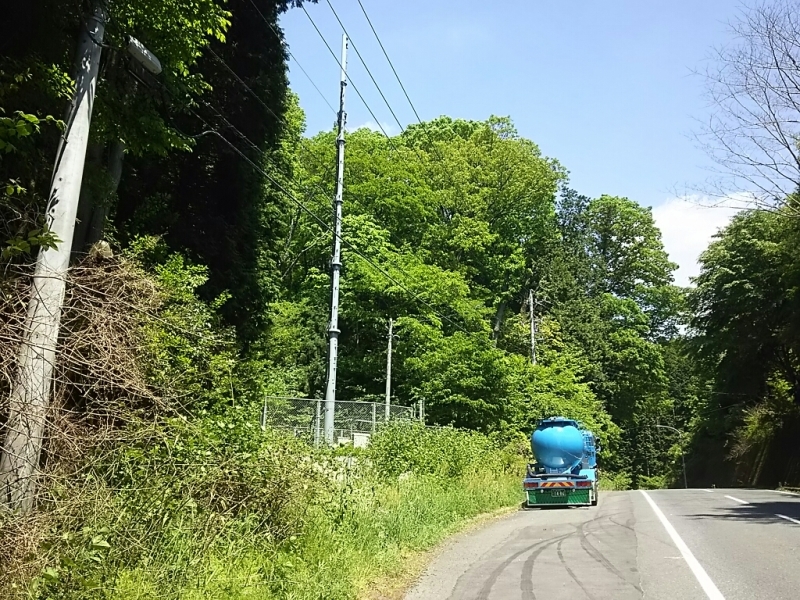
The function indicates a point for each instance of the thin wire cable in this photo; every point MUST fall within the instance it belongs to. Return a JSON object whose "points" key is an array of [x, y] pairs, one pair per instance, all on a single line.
{"points": [[328, 228], [252, 92], [389, 60], [452, 180], [350, 80], [293, 57], [281, 188], [380, 91], [403, 87], [363, 62]]}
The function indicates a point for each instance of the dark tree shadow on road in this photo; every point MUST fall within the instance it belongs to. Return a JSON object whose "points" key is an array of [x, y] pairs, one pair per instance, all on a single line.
{"points": [[762, 512]]}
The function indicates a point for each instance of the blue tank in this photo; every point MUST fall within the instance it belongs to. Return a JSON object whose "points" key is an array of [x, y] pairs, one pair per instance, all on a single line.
{"points": [[558, 443]]}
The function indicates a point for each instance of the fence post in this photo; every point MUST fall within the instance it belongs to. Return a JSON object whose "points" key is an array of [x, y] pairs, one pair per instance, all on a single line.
{"points": [[318, 403], [264, 416], [373, 417]]}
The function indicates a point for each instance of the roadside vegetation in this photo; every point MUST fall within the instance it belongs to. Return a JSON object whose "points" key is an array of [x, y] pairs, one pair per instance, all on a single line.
{"points": [[211, 294]]}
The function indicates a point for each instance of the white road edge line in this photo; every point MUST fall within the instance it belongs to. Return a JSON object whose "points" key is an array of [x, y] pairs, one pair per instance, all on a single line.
{"points": [[709, 491], [795, 521], [737, 500], [703, 579]]}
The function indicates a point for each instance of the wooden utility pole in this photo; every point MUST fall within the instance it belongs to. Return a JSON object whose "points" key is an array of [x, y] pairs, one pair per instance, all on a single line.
{"points": [[336, 260]]}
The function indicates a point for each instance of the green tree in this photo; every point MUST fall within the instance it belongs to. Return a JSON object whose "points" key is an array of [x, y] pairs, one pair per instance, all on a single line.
{"points": [[744, 307]]}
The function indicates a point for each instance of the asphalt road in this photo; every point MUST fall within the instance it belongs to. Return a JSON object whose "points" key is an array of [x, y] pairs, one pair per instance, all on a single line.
{"points": [[665, 544]]}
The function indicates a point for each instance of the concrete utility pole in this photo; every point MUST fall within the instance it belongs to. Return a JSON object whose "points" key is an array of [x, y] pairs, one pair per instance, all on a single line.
{"points": [[30, 394], [683, 458], [533, 327], [389, 372], [336, 261]]}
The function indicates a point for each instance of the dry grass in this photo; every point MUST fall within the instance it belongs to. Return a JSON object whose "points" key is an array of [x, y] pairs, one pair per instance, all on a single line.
{"points": [[99, 388]]}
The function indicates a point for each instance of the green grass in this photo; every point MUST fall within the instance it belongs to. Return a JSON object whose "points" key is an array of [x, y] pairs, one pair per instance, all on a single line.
{"points": [[369, 535], [274, 520]]}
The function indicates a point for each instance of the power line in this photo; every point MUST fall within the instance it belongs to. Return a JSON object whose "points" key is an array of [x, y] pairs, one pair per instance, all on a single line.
{"points": [[363, 62], [338, 62], [389, 60], [389, 139], [434, 148], [355, 88], [303, 207], [267, 107], [327, 227], [383, 96], [294, 58]]}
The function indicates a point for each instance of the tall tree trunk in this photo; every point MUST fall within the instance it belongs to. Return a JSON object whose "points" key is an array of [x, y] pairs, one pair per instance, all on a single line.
{"points": [[97, 226], [498, 321], [94, 159]]}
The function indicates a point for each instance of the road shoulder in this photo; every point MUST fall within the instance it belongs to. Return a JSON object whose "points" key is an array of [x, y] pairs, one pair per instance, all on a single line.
{"points": [[415, 564]]}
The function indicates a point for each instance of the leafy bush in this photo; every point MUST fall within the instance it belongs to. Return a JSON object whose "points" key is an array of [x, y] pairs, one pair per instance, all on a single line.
{"points": [[401, 448], [615, 481], [654, 482]]}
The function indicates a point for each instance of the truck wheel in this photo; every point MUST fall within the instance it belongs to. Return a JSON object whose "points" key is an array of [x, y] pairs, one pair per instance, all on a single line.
{"points": [[594, 499]]}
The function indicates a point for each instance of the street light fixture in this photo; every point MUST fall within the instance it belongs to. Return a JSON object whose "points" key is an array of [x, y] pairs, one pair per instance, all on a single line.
{"points": [[143, 56], [683, 459]]}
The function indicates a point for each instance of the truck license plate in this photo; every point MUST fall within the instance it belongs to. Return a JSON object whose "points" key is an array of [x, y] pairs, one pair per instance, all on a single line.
{"points": [[558, 493]]}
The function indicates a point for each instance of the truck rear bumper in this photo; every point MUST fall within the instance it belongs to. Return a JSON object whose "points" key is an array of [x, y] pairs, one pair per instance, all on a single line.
{"points": [[560, 496]]}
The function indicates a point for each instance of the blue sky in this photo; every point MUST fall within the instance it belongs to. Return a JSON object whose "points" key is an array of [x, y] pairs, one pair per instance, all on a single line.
{"points": [[605, 87]]}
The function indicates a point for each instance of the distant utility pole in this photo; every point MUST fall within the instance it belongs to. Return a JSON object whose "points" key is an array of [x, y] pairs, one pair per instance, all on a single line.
{"points": [[389, 371], [336, 261], [533, 327], [683, 458], [30, 393]]}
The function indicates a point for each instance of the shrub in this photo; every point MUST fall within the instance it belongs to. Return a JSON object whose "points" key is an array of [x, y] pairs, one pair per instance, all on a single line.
{"points": [[615, 481], [410, 447]]}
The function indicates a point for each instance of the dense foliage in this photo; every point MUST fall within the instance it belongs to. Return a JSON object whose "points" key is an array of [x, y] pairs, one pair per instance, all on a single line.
{"points": [[450, 227], [745, 311]]}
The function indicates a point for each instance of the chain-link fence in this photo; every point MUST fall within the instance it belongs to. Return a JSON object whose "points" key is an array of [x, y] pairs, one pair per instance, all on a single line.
{"points": [[354, 421]]}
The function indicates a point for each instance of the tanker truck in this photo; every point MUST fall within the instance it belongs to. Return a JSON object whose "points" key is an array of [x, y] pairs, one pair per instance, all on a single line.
{"points": [[565, 467]]}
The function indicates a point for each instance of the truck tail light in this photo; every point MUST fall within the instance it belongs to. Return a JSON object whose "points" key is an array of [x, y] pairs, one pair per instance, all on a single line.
{"points": [[584, 483], [530, 485]]}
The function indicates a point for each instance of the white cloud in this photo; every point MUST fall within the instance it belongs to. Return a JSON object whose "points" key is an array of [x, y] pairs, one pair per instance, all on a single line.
{"points": [[387, 128], [686, 229]]}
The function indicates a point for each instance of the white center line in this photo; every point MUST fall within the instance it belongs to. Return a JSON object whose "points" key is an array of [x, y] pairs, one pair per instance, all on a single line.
{"points": [[788, 519], [709, 491], [703, 579], [737, 500]]}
